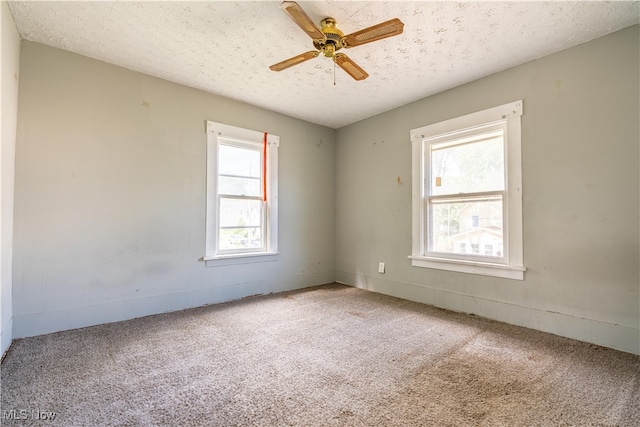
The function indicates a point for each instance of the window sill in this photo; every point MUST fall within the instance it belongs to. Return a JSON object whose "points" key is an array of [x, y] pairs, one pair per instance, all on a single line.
{"points": [[235, 259], [483, 268]]}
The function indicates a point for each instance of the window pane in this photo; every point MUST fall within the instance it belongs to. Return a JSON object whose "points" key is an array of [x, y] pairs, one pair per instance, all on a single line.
{"points": [[469, 165], [240, 238], [465, 226], [239, 161], [240, 213], [231, 185]]}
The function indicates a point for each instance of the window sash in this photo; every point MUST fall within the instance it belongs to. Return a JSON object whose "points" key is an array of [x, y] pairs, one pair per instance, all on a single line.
{"points": [[262, 226], [256, 149], [473, 135], [428, 232]]}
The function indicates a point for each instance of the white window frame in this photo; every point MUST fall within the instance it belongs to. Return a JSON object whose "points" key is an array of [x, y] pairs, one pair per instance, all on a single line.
{"points": [[217, 134], [511, 265]]}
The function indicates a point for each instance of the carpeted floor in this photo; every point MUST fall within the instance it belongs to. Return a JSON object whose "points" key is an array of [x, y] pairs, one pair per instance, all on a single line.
{"points": [[325, 356]]}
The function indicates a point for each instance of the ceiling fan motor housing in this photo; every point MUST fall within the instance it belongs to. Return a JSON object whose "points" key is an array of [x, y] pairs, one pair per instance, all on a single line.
{"points": [[333, 35]]}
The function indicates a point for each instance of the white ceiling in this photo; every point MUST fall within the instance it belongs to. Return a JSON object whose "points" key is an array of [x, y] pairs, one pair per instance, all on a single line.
{"points": [[226, 47]]}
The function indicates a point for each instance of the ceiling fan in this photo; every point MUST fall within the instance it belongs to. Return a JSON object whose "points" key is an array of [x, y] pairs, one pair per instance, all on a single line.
{"points": [[328, 39]]}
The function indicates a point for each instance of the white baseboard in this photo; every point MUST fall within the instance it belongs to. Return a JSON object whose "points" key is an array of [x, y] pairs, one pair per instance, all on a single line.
{"points": [[33, 324], [6, 337], [619, 337]]}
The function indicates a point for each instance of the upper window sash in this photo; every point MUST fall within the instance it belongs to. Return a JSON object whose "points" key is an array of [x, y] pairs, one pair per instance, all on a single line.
{"points": [[475, 135], [230, 174]]}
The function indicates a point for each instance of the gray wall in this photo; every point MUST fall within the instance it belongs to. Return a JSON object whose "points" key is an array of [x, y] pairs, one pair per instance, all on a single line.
{"points": [[8, 116], [110, 196], [580, 149]]}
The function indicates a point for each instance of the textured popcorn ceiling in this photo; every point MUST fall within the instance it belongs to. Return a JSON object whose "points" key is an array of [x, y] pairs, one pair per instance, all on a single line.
{"points": [[226, 47]]}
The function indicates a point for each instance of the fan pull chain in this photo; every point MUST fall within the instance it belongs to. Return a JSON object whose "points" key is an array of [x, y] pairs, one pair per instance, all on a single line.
{"points": [[334, 73]]}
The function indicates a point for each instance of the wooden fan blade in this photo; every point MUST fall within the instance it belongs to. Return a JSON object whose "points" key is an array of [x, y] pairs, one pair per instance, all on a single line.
{"points": [[294, 61], [393, 27], [350, 67], [300, 17]]}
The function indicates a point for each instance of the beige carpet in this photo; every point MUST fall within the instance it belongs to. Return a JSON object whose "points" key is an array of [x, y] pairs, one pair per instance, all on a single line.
{"points": [[325, 356]]}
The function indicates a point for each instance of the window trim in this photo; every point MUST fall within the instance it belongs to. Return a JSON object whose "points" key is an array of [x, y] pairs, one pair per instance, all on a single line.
{"points": [[513, 267], [216, 131]]}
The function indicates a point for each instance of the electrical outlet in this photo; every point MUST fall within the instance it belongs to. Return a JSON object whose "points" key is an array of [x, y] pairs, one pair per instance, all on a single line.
{"points": [[381, 268]]}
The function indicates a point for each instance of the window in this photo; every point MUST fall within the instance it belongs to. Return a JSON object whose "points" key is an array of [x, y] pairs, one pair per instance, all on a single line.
{"points": [[242, 193], [467, 183]]}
